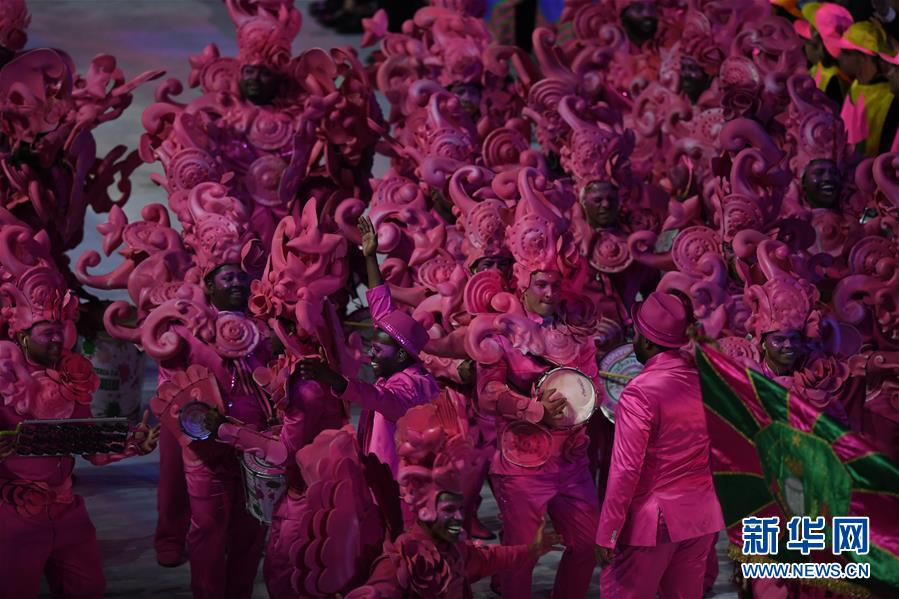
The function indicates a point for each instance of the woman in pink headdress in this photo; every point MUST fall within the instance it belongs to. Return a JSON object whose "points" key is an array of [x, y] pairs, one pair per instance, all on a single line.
{"points": [[44, 527], [432, 559], [540, 468]]}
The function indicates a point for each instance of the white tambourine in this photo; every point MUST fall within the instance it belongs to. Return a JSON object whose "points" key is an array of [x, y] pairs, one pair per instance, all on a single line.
{"points": [[579, 392]]}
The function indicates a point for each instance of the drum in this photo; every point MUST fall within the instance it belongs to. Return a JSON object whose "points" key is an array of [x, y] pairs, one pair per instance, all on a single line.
{"points": [[578, 390], [192, 420], [616, 368], [264, 485]]}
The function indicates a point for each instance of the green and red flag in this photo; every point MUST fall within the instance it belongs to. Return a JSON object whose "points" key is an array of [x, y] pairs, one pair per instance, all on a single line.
{"points": [[774, 454]]}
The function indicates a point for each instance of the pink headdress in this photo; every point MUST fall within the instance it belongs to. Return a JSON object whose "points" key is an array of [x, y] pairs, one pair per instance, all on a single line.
{"points": [[539, 238], [218, 229], [265, 30], [434, 459], [781, 303], [622, 5], [14, 19], [817, 132], [699, 43], [599, 148], [483, 220], [307, 264], [32, 290]]}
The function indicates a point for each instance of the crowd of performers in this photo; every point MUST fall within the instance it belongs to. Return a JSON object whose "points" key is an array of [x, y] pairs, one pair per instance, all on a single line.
{"points": [[655, 173]]}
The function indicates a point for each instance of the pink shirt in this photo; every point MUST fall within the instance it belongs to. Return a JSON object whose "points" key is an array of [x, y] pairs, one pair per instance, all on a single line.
{"points": [[660, 459]]}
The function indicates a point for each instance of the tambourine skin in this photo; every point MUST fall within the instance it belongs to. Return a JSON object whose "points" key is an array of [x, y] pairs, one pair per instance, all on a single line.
{"points": [[578, 390]]}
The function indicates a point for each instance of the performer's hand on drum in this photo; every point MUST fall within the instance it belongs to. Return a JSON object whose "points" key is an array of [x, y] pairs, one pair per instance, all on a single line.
{"points": [[553, 407], [212, 421], [544, 542]]}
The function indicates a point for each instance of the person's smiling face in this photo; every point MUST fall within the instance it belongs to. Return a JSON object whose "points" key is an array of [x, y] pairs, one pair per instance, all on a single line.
{"points": [[448, 525], [228, 288]]}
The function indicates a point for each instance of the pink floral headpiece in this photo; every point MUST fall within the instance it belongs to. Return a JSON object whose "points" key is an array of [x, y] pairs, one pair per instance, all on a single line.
{"points": [[14, 19], [265, 30], [434, 459], [32, 289], [816, 131]]}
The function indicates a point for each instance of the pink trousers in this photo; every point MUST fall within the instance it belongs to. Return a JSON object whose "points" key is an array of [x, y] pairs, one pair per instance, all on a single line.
{"points": [[172, 502], [286, 526], [225, 542], [673, 570], [570, 499], [60, 543]]}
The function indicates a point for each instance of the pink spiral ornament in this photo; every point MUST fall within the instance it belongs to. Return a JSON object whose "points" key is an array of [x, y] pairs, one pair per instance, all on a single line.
{"points": [[270, 130], [235, 335], [868, 252], [610, 252], [190, 167], [264, 178], [691, 245], [480, 291]]}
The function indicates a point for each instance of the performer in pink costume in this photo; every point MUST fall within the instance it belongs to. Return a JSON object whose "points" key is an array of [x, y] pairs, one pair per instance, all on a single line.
{"points": [[402, 380], [44, 527], [432, 560], [306, 258], [660, 513], [538, 469], [223, 537]]}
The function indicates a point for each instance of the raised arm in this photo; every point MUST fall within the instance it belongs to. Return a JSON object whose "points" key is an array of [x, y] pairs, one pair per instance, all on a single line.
{"points": [[370, 251]]}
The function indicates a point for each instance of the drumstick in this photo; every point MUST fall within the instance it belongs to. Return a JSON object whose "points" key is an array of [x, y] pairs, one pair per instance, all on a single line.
{"points": [[357, 325], [615, 375]]}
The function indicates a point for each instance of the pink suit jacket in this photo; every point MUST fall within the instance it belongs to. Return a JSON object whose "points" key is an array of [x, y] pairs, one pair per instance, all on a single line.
{"points": [[660, 459]]}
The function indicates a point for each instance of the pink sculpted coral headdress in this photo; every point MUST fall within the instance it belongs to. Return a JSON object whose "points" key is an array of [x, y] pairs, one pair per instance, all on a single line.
{"points": [[540, 239], [265, 30], [434, 459], [32, 290]]}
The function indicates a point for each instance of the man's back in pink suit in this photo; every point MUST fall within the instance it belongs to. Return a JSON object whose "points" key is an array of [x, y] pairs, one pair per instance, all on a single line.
{"points": [[660, 492]]}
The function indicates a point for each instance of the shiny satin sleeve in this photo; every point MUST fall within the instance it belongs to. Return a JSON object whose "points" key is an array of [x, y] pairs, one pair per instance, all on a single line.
{"points": [[380, 304], [633, 423], [394, 397]]}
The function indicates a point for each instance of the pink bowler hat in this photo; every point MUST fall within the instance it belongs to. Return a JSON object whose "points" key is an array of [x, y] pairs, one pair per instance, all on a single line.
{"points": [[405, 330], [662, 319]]}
